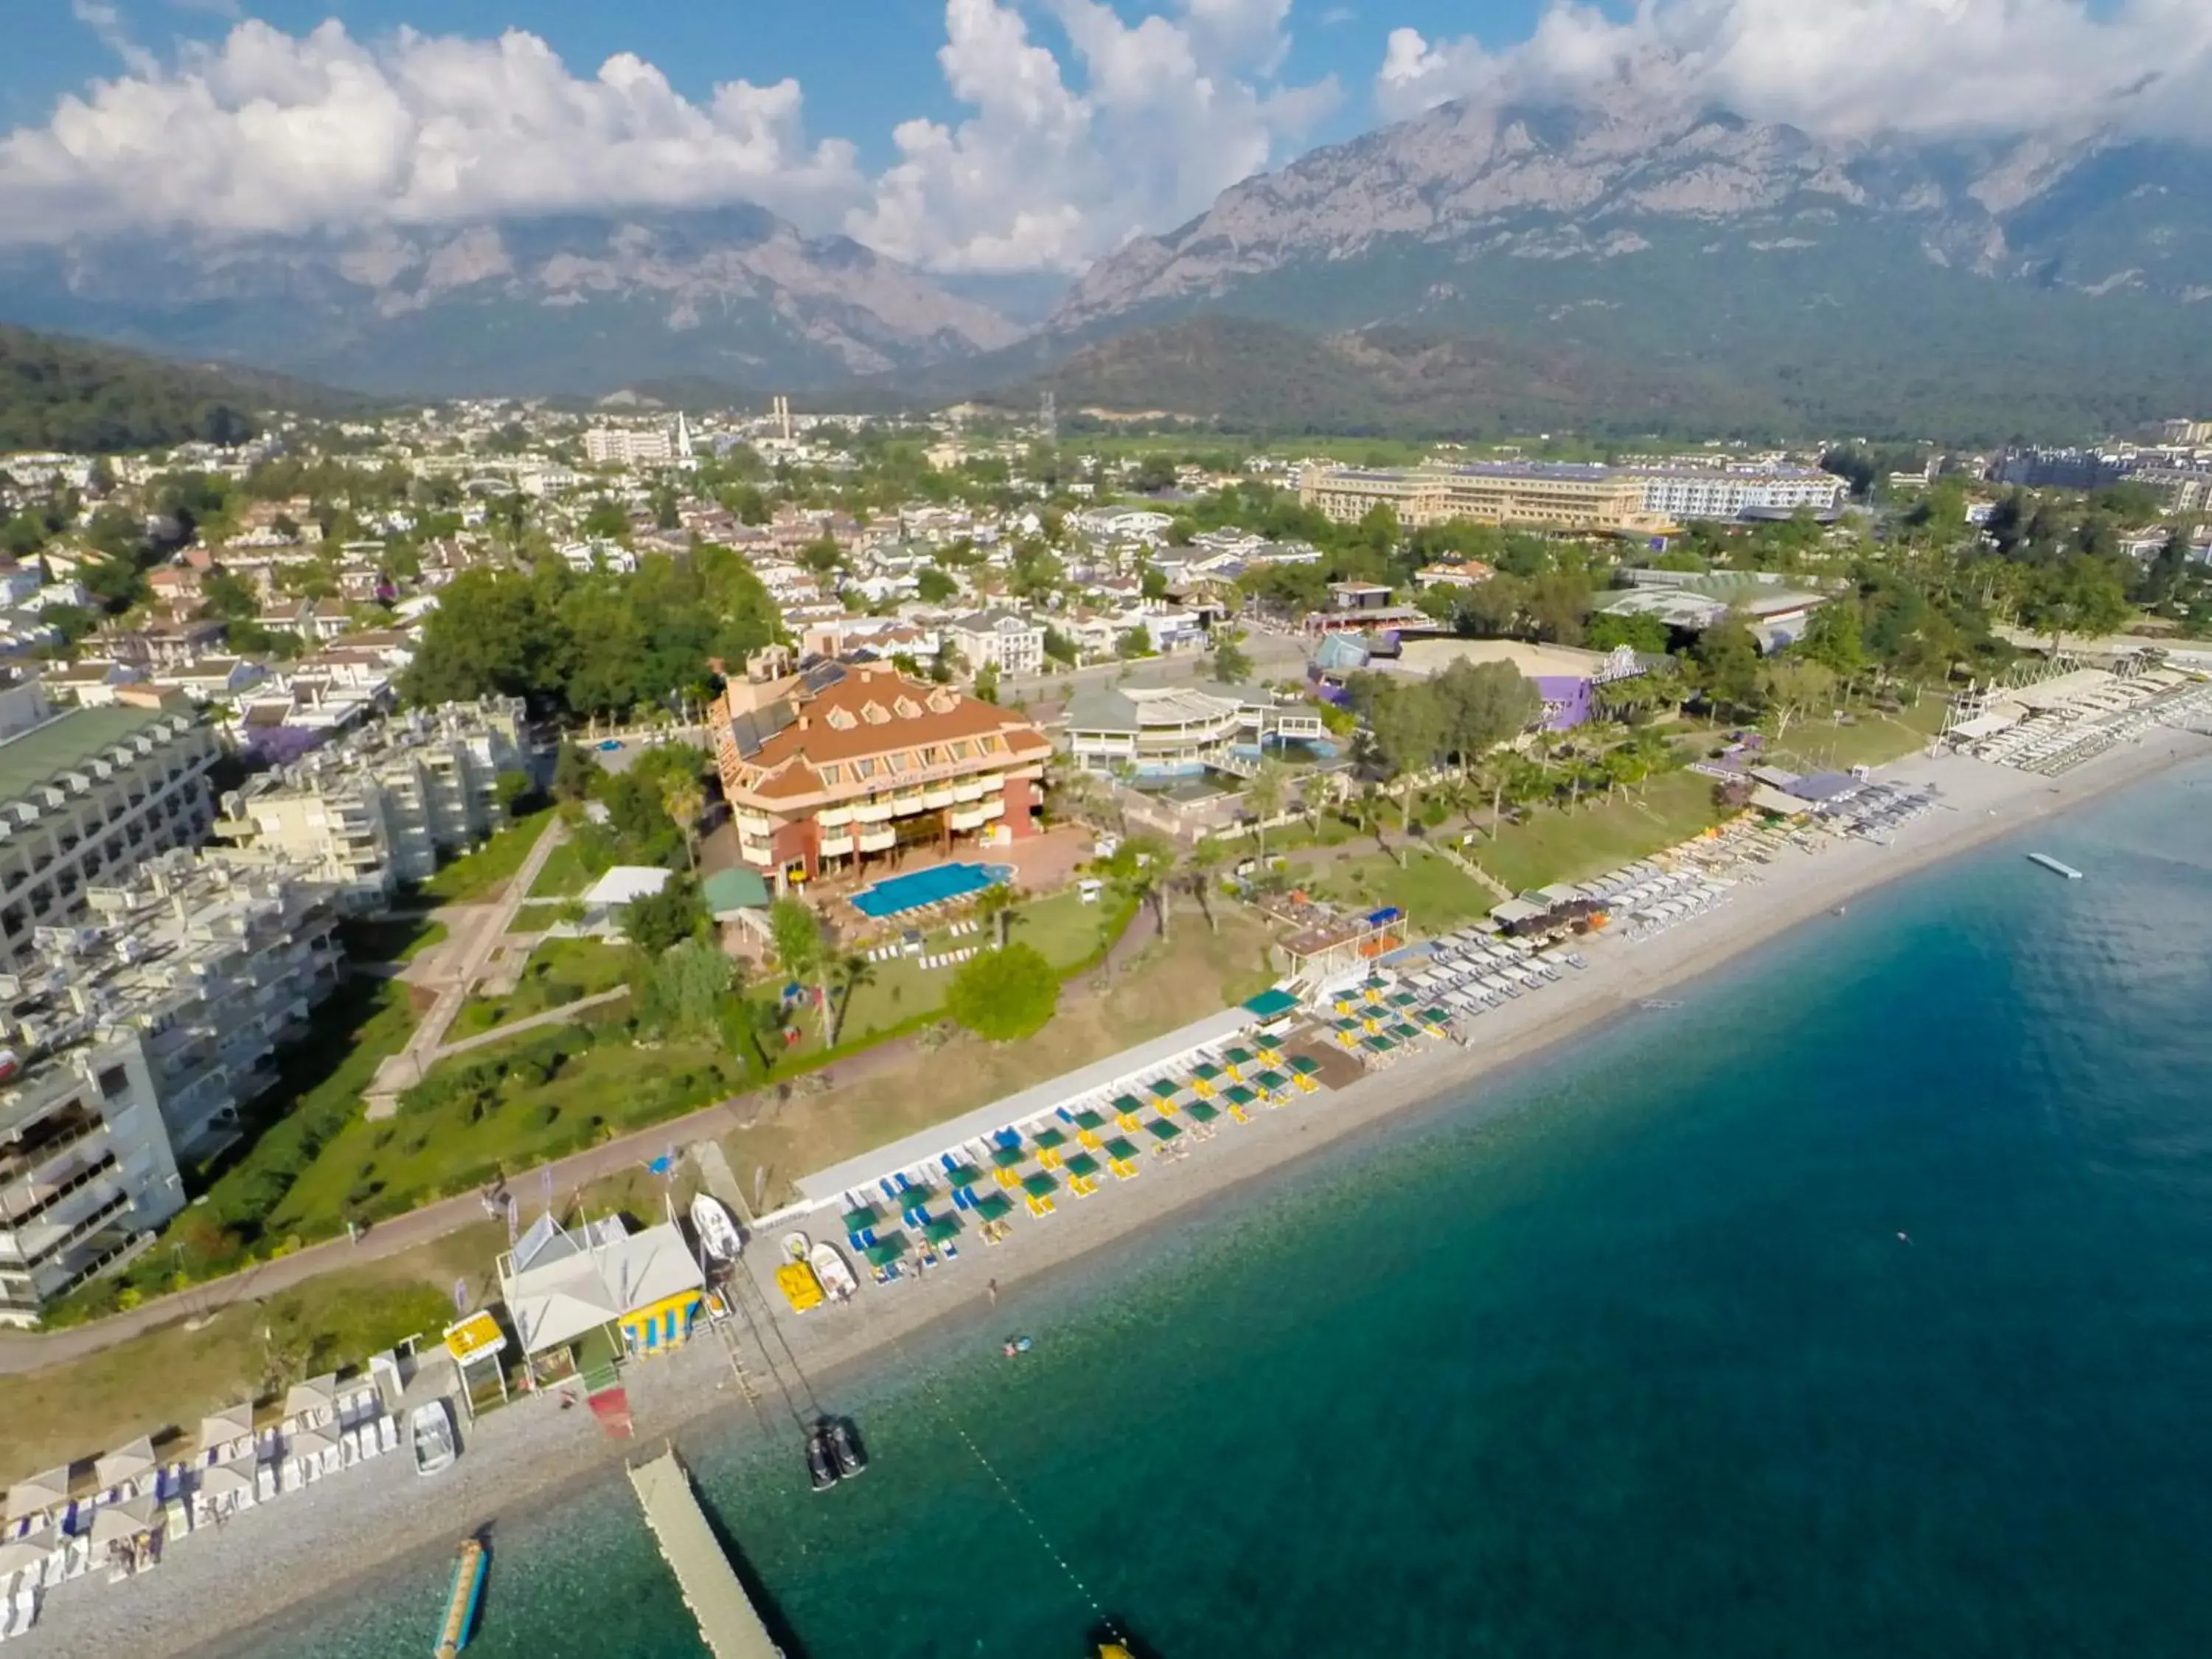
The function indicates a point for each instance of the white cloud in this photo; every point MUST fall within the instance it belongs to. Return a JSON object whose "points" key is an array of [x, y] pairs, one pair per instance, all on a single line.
{"points": [[268, 131], [105, 20], [1852, 67], [1170, 111]]}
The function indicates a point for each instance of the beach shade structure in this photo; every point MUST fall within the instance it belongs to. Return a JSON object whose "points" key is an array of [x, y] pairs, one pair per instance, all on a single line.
{"points": [[219, 1429], [1088, 1119], [31, 1550], [131, 1462], [314, 1400], [231, 1480], [1377, 1045], [113, 1524], [1082, 1165], [1403, 1032], [1162, 1130], [1271, 1082], [1305, 1065], [1238, 1094], [862, 1217], [1126, 1107], [308, 1444], [1006, 1157], [1040, 1186], [1165, 1090], [963, 1174], [991, 1206], [1202, 1113], [1203, 1078], [943, 1230], [40, 1495], [1235, 1060], [1122, 1158], [884, 1251], [1049, 1143], [914, 1206]]}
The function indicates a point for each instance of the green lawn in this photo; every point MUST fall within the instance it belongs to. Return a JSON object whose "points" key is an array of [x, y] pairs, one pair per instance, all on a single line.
{"points": [[1870, 739], [478, 875], [540, 1096], [561, 971], [1574, 846], [565, 874], [1434, 891]]}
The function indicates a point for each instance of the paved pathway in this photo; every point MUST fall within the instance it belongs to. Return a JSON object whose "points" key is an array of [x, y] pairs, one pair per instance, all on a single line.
{"points": [[561, 1015], [477, 937]]}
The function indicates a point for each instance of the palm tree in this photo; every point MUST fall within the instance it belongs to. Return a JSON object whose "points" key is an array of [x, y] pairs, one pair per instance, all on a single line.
{"points": [[1206, 858], [1000, 905], [1368, 810], [684, 800], [795, 937], [763, 1022], [1138, 873], [855, 973], [1263, 793]]}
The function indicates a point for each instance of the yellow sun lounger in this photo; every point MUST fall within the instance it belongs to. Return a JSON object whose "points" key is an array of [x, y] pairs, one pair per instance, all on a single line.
{"points": [[1083, 1185], [1038, 1206], [1124, 1169]]}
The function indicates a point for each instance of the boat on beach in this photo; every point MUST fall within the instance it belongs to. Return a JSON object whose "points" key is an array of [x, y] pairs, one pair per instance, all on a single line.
{"points": [[430, 1431], [795, 1276], [830, 1269], [719, 1235]]}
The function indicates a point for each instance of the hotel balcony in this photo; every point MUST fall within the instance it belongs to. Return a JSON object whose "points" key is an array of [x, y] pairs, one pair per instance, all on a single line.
{"points": [[878, 841], [829, 817], [873, 811], [837, 846]]}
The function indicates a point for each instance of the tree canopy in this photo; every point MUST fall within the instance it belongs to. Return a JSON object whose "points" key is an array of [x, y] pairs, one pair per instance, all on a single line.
{"points": [[1001, 995]]}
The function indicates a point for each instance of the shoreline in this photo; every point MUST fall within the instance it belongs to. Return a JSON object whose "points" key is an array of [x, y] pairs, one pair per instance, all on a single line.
{"points": [[379, 1520]]}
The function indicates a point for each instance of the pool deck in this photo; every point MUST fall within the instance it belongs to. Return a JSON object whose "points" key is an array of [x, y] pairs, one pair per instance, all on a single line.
{"points": [[978, 875]]}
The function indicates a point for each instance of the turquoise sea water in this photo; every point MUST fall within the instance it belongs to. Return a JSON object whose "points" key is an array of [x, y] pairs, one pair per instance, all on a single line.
{"points": [[1623, 1355]]}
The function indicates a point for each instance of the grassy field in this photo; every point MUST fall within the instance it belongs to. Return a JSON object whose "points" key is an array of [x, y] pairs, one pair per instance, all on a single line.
{"points": [[561, 971], [1574, 846], [1166, 986], [1434, 891], [480, 874], [565, 875], [1869, 739], [541, 1096]]}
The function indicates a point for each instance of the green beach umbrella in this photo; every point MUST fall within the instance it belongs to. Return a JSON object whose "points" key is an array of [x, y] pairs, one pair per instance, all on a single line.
{"points": [[991, 1206], [1163, 1130], [1047, 1140], [1006, 1156], [966, 1174], [1166, 1088], [1238, 1056], [1202, 1113], [884, 1251], [1127, 1103], [866, 1216], [1305, 1065], [939, 1231], [1087, 1119], [1040, 1185], [1083, 1164], [1271, 1079], [1207, 1070], [1120, 1150], [1236, 1095]]}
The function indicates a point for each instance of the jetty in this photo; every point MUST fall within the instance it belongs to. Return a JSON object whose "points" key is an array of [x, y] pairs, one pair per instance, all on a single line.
{"points": [[728, 1622], [2054, 866]]}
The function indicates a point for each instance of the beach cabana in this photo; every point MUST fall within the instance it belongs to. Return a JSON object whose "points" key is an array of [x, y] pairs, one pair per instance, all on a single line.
{"points": [[39, 1495], [116, 1523], [219, 1430], [645, 1290], [313, 1403], [25, 1553], [132, 1462]]}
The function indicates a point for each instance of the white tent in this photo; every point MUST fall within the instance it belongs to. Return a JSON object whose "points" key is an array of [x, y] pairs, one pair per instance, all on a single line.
{"points": [[125, 1462], [228, 1481], [112, 1522], [310, 1443], [46, 1492], [231, 1423]]}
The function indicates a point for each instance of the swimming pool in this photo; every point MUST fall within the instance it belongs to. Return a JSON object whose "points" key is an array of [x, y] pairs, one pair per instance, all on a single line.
{"points": [[895, 894]]}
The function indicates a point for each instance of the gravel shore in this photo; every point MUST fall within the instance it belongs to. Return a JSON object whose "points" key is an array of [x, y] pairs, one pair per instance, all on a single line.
{"points": [[218, 1582]]}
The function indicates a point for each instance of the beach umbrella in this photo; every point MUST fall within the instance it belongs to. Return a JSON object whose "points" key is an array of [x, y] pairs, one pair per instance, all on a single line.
{"points": [[1040, 1186], [29, 1551], [1082, 1164], [231, 1480], [310, 1443], [862, 1218], [1006, 1156], [125, 1462], [943, 1230], [112, 1523], [231, 1423], [46, 1492], [317, 1394], [1163, 1130]]}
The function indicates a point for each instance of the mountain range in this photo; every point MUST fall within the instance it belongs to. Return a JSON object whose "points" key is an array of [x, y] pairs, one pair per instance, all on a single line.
{"points": [[1618, 263]]}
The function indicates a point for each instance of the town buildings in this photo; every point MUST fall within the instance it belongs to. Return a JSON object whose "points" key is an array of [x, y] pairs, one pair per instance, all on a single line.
{"points": [[87, 793], [826, 766], [134, 1040], [634, 446], [382, 806], [1001, 639]]}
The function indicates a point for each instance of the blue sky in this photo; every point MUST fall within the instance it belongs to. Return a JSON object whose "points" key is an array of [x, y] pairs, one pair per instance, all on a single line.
{"points": [[965, 136]]}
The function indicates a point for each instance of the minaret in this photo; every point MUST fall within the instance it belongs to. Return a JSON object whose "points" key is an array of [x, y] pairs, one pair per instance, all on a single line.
{"points": [[683, 437]]}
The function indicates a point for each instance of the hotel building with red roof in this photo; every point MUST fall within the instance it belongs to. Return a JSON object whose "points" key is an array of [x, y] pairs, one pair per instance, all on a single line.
{"points": [[828, 765]]}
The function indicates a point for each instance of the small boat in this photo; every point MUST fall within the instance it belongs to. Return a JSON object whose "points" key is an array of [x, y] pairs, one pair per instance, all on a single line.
{"points": [[845, 1448], [821, 1460], [795, 1246], [829, 1266], [462, 1599], [717, 1229], [430, 1431]]}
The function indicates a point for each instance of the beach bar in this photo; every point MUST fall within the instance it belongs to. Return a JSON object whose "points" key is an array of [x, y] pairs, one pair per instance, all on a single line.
{"points": [[561, 1288], [727, 1623]]}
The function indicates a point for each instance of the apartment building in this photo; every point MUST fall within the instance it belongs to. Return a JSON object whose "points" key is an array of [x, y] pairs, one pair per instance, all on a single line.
{"points": [[635, 445], [825, 766], [1164, 731], [1001, 639], [383, 806], [135, 1039], [1526, 496], [1705, 492], [85, 794]]}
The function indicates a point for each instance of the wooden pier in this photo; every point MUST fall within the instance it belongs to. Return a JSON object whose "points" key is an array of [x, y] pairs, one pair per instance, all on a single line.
{"points": [[728, 1624]]}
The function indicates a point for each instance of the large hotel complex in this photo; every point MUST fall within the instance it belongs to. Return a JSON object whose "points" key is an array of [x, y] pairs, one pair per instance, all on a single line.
{"points": [[1557, 496], [828, 768]]}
